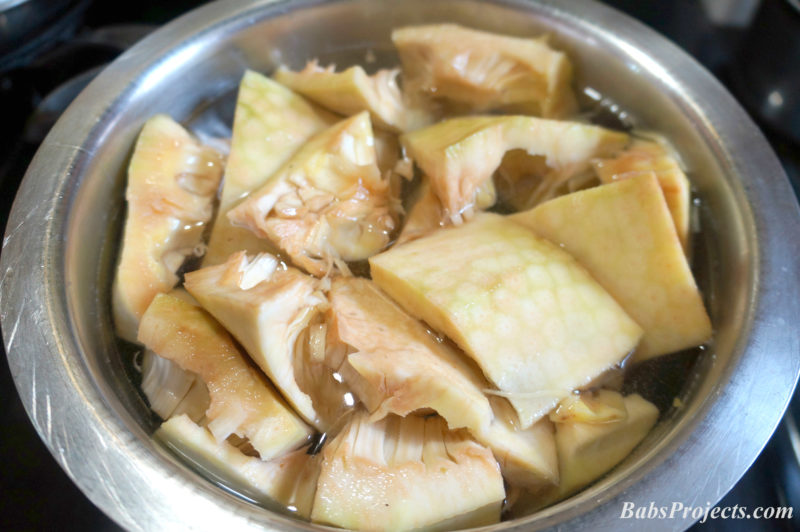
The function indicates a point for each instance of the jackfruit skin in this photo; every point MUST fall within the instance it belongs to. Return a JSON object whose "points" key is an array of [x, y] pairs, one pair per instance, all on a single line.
{"points": [[172, 180], [406, 474], [623, 234], [242, 400], [481, 71], [270, 124], [489, 279]]}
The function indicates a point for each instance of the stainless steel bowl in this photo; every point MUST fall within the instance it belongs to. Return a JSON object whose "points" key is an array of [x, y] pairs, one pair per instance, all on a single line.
{"points": [[60, 244]]}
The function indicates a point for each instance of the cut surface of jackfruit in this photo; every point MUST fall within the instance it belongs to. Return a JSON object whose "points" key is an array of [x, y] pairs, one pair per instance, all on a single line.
{"points": [[406, 474], [352, 91], [533, 319], [289, 480], [270, 124], [461, 154], [481, 71], [172, 180], [427, 214], [650, 156], [242, 400], [523, 181], [266, 307], [400, 364], [527, 457], [622, 233], [166, 387], [586, 451], [327, 203]]}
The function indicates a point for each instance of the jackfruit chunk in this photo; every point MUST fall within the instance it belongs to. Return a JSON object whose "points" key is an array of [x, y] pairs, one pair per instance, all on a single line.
{"points": [[269, 125], [353, 91], [405, 474], [401, 365], [527, 457], [166, 387], [481, 71], [595, 406], [649, 156], [290, 480], [266, 307], [426, 213], [172, 180], [523, 181], [242, 400], [586, 451], [532, 318], [460, 154], [327, 203], [623, 234]]}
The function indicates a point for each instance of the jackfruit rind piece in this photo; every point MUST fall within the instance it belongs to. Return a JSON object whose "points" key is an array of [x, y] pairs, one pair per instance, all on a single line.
{"points": [[265, 307], [406, 474], [289, 480], [402, 364], [172, 181], [460, 154], [327, 203], [650, 156], [527, 457], [351, 91], [269, 125], [482, 71], [586, 451], [622, 233], [242, 400], [533, 319]]}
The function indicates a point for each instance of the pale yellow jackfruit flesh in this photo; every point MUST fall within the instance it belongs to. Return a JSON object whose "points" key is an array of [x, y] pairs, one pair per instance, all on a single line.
{"points": [[427, 214], [406, 474], [523, 181], [650, 156], [461, 154], [267, 306], [168, 388], [242, 400], [527, 456], [402, 365], [588, 450], [328, 203], [172, 181], [592, 406], [481, 71], [352, 91], [622, 233], [491, 279], [270, 124], [290, 480]]}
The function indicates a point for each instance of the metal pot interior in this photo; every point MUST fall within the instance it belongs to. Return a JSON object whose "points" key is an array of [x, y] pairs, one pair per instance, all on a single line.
{"points": [[191, 69]]}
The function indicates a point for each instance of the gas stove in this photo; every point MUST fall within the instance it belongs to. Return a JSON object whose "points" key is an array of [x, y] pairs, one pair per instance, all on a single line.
{"points": [[744, 43]]}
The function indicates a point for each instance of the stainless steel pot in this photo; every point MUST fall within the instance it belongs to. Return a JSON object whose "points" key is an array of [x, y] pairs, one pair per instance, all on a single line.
{"points": [[60, 244]]}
